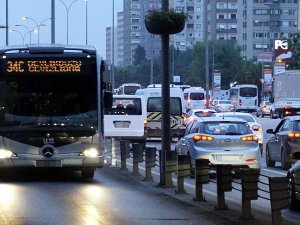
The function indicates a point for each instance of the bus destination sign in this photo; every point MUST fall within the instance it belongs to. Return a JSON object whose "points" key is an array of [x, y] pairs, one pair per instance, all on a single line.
{"points": [[43, 66]]}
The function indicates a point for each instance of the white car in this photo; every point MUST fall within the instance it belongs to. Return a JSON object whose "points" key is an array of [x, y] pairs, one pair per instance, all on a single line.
{"points": [[194, 114], [256, 127]]}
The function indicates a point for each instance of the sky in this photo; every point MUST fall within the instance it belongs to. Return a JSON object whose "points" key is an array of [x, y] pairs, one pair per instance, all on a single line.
{"points": [[99, 17]]}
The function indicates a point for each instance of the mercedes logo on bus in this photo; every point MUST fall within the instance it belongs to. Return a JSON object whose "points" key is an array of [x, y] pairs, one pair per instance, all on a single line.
{"points": [[48, 152]]}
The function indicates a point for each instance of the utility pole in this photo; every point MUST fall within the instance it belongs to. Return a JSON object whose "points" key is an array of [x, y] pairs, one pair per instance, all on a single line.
{"points": [[6, 23], [52, 21], [205, 33], [166, 137]]}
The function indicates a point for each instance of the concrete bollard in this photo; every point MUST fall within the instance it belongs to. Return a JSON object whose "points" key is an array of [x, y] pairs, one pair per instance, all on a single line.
{"points": [[224, 184], [183, 170], [138, 150], [171, 167], [279, 197], [201, 177], [125, 149], [150, 159], [249, 191]]}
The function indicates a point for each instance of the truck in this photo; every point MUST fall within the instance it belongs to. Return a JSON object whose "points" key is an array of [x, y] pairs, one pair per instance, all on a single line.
{"points": [[286, 94]]}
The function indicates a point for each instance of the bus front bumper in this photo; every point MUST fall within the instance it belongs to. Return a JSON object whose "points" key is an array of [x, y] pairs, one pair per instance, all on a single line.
{"points": [[58, 161]]}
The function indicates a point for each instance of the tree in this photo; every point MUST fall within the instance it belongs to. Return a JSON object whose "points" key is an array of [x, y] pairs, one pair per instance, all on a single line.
{"points": [[139, 55], [294, 45]]}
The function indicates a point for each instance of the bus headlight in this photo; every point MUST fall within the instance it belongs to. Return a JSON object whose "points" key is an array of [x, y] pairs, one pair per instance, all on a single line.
{"points": [[4, 153], [92, 152]]}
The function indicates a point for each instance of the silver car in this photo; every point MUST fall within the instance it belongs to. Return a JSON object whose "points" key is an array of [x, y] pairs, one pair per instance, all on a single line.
{"points": [[294, 185], [263, 109], [222, 141]]}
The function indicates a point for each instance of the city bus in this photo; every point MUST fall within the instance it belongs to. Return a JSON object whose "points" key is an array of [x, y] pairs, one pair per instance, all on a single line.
{"points": [[244, 97], [51, 112], [128, 88]]}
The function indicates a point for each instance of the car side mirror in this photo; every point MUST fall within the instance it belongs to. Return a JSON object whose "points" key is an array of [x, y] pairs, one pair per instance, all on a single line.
{"points": [[270, 131]]}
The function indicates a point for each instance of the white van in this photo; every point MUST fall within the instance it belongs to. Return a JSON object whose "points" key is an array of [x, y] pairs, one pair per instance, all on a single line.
{"points": [[126, 119], [194, 98], [154, 110]]}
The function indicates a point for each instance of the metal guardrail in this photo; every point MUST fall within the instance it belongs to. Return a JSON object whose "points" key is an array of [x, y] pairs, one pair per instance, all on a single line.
{"points": [[252, 184]]}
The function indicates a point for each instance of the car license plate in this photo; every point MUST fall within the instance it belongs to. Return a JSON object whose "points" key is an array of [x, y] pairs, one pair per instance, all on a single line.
{"points": [[121, 124], [230, 158], [48, 163]]}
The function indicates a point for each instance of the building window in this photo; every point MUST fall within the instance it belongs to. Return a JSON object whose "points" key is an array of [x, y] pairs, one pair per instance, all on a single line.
{"points": [[135, 27], [232, 16], [221, 16], [134, 20], [261, 12]]}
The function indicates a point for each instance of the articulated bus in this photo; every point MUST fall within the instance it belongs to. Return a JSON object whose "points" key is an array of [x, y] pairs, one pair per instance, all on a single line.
{"points": [[51, 112], [244, 97]]}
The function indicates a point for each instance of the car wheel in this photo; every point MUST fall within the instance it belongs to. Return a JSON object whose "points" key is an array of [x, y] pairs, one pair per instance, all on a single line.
{"points": [[284, 163], [87, 173], [269, 162]]}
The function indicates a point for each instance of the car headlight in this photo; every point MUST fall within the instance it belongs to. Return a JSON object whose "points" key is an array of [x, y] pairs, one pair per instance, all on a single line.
{"points": [[4, 153], [92, 152]]}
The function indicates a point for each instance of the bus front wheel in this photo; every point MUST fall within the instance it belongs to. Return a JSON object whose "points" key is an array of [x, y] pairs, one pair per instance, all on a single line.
{"points": [[88, 173]]}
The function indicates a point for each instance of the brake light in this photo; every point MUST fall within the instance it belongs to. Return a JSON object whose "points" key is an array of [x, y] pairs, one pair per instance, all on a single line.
{"points": [[293, 135], [257, 128], [251, 160], [250, 138], [202, 138]]}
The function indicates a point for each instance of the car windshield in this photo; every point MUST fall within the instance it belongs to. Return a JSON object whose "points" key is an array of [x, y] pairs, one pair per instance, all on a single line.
{"points": [[224, 128], [296, 125]]}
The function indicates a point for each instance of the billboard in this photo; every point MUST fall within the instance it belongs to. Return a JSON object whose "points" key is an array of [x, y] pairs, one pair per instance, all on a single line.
{"points": [[216, 80], [282, 51], [282, 54], [267, 81]]}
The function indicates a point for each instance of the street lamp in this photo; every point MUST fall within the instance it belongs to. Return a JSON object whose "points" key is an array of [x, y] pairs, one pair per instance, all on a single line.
{"points": [[67, 10], [28, 30], [22, 36], [38, 25]]}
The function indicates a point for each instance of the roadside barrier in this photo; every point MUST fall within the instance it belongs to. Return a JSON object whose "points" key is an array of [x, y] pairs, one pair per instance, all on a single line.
{"points": [[252, 184], [201, 177], [183, 170]]}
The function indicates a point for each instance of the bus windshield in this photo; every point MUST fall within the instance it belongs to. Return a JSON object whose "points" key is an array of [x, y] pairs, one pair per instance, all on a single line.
{"points": [[196, 96], [130, 90], [48, 98], [248, 92]]}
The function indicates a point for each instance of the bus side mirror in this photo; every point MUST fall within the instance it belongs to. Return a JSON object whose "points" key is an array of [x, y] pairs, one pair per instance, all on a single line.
{"points": [[107, 95], [107, 99]]}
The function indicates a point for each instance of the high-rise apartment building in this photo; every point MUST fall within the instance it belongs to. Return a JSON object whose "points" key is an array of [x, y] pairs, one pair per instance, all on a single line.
{"points": [[253, 24]]}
